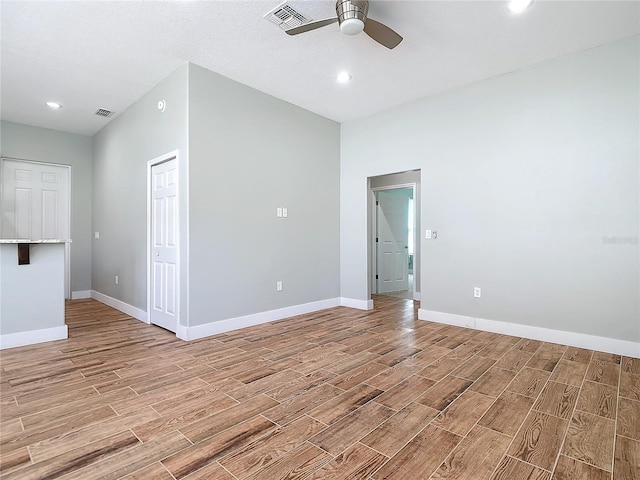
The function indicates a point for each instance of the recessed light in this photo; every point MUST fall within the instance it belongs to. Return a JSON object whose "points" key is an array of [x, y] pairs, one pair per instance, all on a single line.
{"points": [[54, 105], [519, 6], [343, 77]]}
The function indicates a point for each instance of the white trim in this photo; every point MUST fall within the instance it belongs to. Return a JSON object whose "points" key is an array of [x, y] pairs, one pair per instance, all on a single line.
{"points": [[372, 245], [134, 312], [167, 157], [79, 294], [355, 303], [182, 332], [416, 295], [184, 202], [582, 340], [229, 324], [30, 337], [394, 186]]}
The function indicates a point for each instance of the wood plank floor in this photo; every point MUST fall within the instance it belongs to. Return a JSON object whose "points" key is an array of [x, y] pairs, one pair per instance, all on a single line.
{"points": [[337, 394]]}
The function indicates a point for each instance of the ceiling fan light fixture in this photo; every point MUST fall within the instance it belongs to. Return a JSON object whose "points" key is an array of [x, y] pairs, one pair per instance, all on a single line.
{"points": [[519, 6], [54, 105], [352, 18], [352, 26]]}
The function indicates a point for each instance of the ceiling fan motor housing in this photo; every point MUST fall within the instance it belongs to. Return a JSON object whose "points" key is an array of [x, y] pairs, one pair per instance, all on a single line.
{"points": [[351, 16]]}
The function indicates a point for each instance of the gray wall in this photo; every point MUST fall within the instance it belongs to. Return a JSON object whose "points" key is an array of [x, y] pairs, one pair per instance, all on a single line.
{"points": [[249, 154], [523, 176], [44, 145], [31, 296], [121, 151], [242, 154]]}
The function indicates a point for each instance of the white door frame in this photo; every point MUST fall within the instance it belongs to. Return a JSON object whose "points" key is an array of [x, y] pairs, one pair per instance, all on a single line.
{"points": [[374, 231], [67, 245], [174, 155]]}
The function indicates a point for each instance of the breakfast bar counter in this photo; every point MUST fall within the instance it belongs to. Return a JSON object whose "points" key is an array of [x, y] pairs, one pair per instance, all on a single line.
{"points": [[31, 291]]}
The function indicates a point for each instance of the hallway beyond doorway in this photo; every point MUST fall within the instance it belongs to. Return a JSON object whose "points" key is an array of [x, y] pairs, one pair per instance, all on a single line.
{"points": [[406, 294]]}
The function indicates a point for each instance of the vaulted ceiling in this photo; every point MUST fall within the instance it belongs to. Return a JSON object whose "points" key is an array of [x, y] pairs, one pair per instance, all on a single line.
{"points": [[91, 54]]}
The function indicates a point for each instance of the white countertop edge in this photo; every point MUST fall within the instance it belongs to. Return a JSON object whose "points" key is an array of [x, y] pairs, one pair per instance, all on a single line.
{"points": [[26, 240]]}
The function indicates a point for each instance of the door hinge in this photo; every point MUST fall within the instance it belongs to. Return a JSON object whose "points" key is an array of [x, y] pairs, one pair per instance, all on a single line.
{"points": [[377, 203], [376, 239], [376, 277]]}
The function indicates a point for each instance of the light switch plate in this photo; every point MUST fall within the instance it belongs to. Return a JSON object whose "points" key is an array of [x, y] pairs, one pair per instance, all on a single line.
{"points": [[427, 235], [285, 212], [279, 212]]}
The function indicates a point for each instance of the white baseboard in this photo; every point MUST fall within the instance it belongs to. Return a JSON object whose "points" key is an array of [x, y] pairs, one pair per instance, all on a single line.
{"points": [[229, 324], [80, 294], [135, 312], [20, 339], [355, 303], [182, 332], [573, 339]]}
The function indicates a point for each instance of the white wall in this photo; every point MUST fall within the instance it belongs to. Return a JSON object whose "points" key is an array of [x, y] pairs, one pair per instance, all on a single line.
{"points": [[249, 154], [44, 145], [523, 176]]}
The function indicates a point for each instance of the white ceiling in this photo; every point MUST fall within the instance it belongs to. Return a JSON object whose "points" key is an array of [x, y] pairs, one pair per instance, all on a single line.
{"points": [[90, 54]]}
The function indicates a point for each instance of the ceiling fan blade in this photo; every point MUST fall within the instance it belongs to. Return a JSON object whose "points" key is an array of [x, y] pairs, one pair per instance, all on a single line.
{"points": [[311, 26], [382, 34]]}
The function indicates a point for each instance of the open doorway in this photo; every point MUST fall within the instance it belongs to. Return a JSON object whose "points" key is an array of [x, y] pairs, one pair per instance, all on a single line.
{"points": [[394, 224]]}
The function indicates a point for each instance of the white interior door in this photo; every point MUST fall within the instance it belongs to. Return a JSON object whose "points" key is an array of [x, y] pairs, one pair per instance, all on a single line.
{"points": [[393, 240], [164, 245], [35, 203]]}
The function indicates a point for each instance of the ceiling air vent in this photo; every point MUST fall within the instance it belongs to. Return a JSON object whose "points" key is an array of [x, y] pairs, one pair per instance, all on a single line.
{"points": [[286, 17], [103, 112]]}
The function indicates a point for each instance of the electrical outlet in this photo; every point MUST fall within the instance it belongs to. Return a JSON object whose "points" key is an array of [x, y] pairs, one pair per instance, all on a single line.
{"points": [[116, 279], [96, 235], [278, 286], [477, 292]]}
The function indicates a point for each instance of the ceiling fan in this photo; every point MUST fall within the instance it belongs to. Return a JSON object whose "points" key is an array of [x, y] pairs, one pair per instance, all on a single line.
{"points": [[352, 18]]}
